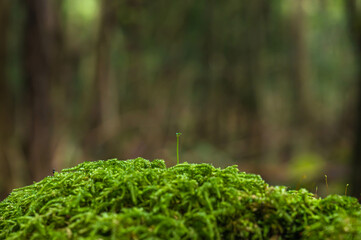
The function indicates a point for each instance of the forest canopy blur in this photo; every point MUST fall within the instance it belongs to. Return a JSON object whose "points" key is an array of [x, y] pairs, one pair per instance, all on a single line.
{"points": [[269, 85]]}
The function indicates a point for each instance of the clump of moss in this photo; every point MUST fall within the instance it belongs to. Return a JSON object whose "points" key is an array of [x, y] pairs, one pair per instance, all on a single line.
{"points": [[139, 199]]}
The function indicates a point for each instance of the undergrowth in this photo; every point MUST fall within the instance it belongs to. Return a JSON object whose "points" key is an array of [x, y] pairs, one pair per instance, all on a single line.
{"points": [[141, 199]]}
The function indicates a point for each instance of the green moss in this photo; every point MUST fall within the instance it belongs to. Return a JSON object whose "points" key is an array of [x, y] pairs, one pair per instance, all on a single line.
{"points": [[139, 199]]}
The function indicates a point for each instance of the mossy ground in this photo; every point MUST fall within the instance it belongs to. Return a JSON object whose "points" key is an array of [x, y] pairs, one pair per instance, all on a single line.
{"points": [[141, 199]]}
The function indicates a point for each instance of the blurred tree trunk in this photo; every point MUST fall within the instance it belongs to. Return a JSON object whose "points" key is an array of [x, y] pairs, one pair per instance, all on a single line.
{"points": [[256, 15], [298, 75], [103, 107], [300, 114], [42, 46], [239, 79], [202, 84], [247, 70], [6, 105], [354, 21]]}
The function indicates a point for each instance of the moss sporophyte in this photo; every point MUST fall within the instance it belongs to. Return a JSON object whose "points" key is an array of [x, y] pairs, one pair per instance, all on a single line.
{"points": [[141, 199]]}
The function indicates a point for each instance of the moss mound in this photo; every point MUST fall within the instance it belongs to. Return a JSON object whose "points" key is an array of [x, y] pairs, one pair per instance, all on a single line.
{"points": [[139, 199]]}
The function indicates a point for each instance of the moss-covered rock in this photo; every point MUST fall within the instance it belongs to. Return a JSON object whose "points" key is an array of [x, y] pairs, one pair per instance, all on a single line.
{"points": [[139, 199]]}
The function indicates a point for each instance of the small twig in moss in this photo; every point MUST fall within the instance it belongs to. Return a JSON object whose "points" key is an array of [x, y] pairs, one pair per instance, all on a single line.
{"points": [[300, 182], [178, 134], [346, 189], [326, 184]]}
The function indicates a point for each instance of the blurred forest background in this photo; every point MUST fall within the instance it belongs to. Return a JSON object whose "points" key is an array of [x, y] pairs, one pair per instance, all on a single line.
{"points": [[273, 86]]}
